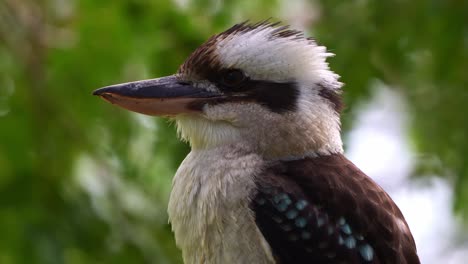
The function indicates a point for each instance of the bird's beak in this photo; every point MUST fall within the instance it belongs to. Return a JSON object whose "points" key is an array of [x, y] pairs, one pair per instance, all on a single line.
{"points": [[166, 96]]}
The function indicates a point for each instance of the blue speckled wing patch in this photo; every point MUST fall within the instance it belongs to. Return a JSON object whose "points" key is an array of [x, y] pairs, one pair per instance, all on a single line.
{"points": [[300, 231], [326, 210]]}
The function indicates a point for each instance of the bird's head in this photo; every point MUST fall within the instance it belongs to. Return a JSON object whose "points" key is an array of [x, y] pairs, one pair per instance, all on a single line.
{"points": [[261, 85]]}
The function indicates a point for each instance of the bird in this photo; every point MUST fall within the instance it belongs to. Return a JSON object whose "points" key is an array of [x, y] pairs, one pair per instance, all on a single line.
{"points": [[266, 180]]}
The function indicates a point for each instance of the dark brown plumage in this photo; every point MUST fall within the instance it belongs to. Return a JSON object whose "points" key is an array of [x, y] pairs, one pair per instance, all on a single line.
{"points": [[326, 210]]}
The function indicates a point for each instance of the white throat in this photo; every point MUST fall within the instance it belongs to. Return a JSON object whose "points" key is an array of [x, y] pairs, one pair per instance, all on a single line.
{"points": [[209, 207]]}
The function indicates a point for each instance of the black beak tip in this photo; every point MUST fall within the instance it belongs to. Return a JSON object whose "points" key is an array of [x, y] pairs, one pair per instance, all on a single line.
{"points": [[121, 89], [100, 91]]}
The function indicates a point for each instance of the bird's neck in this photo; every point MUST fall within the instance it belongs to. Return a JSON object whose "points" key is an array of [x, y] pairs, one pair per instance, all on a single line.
{"points": [[290, 137], [209, 207]]}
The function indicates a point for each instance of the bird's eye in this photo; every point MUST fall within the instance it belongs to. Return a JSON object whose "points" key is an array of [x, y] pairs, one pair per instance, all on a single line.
{"points": [[233, 78]]}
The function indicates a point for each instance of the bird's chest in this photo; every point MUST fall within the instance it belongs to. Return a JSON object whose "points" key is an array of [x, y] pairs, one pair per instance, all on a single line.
{"points": [[209, 208]]}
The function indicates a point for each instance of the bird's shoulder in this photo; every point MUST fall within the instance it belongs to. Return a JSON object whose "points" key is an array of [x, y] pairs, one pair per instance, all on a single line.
{"points": [[326, 210]]}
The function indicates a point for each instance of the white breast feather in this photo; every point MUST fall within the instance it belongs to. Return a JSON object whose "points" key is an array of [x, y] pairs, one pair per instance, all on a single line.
{"points": [[209, 208]]}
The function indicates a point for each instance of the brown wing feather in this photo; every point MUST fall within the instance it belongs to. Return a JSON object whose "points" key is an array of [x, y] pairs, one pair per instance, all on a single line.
{"points": [[334, 189]]}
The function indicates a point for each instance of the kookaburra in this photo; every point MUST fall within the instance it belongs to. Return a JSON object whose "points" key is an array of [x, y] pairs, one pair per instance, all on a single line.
{"points": [[266, 180]]}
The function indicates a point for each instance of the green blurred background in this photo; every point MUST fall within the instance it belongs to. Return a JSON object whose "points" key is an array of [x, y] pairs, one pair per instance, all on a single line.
{"points": [[82, 181]]}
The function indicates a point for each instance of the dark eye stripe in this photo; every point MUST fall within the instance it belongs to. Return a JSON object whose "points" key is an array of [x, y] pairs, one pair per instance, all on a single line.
{"points": [[333, 96], [278, 97]]}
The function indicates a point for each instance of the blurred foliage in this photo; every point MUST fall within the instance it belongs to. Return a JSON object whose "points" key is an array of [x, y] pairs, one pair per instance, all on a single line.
{"points": [[420, 48], [84, 182]]}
